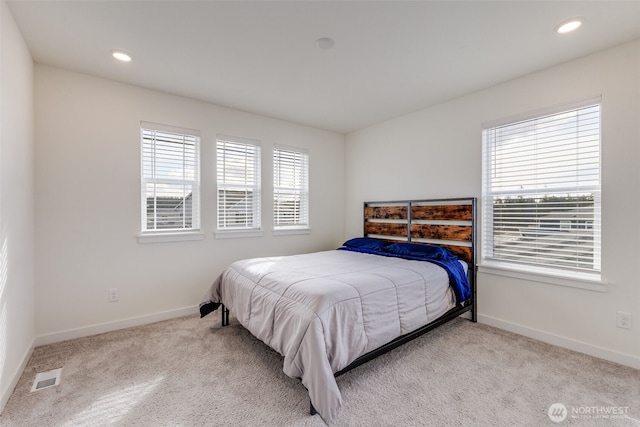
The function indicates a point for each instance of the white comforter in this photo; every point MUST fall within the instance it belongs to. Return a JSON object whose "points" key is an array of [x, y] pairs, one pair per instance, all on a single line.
{"points": [[323, 310]]}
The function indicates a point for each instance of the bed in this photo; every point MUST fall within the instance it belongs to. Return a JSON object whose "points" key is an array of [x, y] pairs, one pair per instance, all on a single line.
{"points": [[331, 311]]}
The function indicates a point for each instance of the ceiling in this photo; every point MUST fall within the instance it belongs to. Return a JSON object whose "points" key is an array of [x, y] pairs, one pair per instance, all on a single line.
{"points": [[389, 58]]}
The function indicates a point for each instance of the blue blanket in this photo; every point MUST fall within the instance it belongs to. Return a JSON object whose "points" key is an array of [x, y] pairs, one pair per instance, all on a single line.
{"points": [[419, 252]]}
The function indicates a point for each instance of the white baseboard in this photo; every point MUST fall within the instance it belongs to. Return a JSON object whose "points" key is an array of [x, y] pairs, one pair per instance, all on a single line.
{"points": [[101, 328], [6, 393], [560, 341]]}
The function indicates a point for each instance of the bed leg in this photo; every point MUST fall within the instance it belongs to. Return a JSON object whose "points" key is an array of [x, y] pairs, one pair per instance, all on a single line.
{"points": [[225, 315], [312, 410], [474, 308]]}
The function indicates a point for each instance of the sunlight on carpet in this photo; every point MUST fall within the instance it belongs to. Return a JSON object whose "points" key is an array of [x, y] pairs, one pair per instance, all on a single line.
{"points": [[110, 408]]}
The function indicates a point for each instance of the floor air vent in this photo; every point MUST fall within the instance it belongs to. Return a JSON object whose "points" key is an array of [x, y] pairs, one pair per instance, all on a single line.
{"points": [[46, 379]]}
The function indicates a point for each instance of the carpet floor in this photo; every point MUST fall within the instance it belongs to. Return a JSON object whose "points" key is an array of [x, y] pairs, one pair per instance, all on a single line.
{"points": [[193, 372]]}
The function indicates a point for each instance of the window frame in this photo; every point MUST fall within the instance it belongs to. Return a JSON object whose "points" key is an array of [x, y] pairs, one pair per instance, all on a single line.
{"points": [[169, 234], [302, 189], [561, 275], [224, 182]]}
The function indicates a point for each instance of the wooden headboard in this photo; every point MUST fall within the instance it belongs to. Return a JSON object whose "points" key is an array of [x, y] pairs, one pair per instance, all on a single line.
{"points": [[444, 222]]}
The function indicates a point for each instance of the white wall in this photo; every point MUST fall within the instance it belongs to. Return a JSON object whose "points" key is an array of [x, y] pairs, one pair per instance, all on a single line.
{"points": [[436, 152], [88, 202], [16, 205]]}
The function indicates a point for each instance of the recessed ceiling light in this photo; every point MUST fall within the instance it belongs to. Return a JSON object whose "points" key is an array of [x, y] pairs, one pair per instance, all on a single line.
{"points": [[569, 26], [325, 43], [121, 56]]}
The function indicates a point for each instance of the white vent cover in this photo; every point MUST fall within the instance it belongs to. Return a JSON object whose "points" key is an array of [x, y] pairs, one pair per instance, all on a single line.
{"points": [[47, 379]]}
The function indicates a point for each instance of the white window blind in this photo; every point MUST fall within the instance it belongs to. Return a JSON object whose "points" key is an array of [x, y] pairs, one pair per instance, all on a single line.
{"points": [[170, 178], [238, 172], [541, 191], [290, 188]]}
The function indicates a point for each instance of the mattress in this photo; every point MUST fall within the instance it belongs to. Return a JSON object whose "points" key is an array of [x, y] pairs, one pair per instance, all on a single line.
{"points": [[323, 310]]}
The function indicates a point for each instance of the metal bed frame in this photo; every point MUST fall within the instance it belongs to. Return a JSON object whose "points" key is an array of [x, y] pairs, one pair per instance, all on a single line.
{"points": [[434, 221]]}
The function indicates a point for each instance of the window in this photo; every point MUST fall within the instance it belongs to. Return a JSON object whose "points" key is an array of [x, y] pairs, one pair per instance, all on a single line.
{"points": [[290, 188], [541, 191], [238, 164], [170, 178]]}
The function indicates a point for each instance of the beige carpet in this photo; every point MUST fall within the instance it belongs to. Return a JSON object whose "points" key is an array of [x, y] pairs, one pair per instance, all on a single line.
{"points": [[192, 372]]}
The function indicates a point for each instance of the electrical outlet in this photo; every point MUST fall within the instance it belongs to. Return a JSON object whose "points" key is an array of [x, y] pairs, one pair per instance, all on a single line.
{"points": [[624, 320], [113, 295]]}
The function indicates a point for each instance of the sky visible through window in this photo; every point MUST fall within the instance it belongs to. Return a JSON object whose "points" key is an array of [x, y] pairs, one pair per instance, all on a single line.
{"points": [[541, 190], [526, 158], [170, 173]]}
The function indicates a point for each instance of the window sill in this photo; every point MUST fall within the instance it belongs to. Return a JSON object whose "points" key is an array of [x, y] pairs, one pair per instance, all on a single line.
{"points": [[284, 231], [237, 234], [579, 280], [169, 237]]}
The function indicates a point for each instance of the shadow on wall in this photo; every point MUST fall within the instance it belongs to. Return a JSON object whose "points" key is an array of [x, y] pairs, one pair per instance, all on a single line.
{"points": [[3, 307]]}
